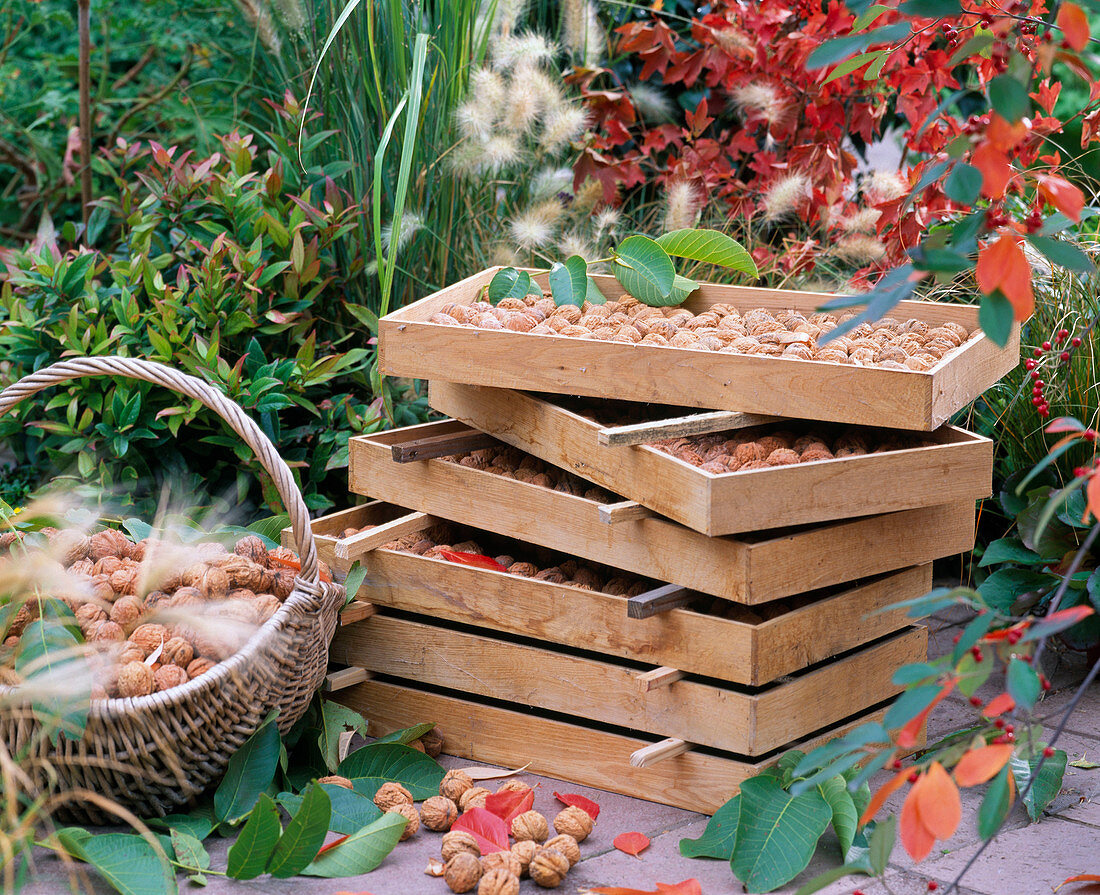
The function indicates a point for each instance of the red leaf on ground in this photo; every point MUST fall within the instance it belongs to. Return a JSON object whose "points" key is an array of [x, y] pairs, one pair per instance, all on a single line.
{"points": [[490, 831], [686, 887], [509, 804], [328, 846], [1074, 25], [631, 843], [1080, 878], [472, 559], [586, 805]]}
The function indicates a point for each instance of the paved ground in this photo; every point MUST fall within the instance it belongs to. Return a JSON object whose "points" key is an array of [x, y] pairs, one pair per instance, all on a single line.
{"points": [[1023, 860]]}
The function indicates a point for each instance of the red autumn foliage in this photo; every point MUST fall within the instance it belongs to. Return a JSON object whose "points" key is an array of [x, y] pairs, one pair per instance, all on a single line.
{"points": [[509, 804], [631, 843], [586, 805], [490, 831], [686, 887]]}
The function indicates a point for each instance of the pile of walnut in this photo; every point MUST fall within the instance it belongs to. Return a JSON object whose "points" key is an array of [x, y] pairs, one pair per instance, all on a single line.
{"points": [[888, 343], [431, 543], [536, 854], [145, 606], [741, 451], [515, 464]]}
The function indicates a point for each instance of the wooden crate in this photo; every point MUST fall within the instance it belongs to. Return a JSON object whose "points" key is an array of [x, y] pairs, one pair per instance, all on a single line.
{"points": [[410, 346], [592, 755], [704, 712], [751, 569], [957, 467]]}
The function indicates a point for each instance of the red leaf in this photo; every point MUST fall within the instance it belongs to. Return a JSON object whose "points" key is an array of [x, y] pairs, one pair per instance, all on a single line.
{"points": [[508, 805], [907, 736], [996, 170], [982, 764], [1074, 614], [938, 802], [686, 887], [1064, 424], [490, 831], [586, 805], [1074, 25], [473, 559], [998, 705], [880, 797], [1092, 493], [330, 845], [1062, 194], [1003, 265], [631, 843], [915, 837]]}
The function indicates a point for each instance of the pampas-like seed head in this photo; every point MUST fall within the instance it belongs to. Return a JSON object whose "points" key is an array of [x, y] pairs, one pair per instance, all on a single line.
{"points": [[551, 181], [498, 153], [411, 224], [503, 255], [259, 17], [588, 196], [762, 99], [535, 226], [859, 249], [733, 41], [581, 31], [683, 203], [650, 103], [785, 196], [861, 220], [525, 105], [529, 47], [574, 243], [562, 125], [509, 13], [292, 16], [607, 219], [884, 186]]}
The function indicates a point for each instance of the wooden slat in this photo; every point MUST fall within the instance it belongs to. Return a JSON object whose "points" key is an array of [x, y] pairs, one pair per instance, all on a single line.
{"points": [[957, 466], [697, 781], [657, 678], [624, 511], [327, 530], [648, 756], [358, 545], [603, 689], [700, 644], [410, 346], [356, 611], [751, 570], [658, 600], [344, 677], [678, 427], [433, 446]]}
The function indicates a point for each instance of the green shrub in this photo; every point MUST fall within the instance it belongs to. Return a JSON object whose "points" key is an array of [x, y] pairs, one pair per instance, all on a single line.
{"points": [[221, 268]]}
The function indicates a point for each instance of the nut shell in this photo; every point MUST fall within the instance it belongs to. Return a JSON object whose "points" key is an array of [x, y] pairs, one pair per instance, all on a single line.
{"points": [[474, 798], [335, 779], [457, 842], [525, 850], [253, 548], [567, 845], [177, 651], [502, 860], [408, 811], [438, 813], [135, 679], [574, 822], [462, 872], [530, 825], [149, 637], [548, 868], [390, 795], [498, 882], [199, 666], [168, 676]]}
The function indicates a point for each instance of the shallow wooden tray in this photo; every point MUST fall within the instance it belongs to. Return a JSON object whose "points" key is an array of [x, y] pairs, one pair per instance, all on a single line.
{"points": [[410, 346], [958, 467], [751, 569], [701, 711], [565, 747]]}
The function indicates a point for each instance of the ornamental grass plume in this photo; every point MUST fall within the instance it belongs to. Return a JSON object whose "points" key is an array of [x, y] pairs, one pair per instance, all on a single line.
{"points": [[785, 196], [762, 99], [498, 153], [536, 226], [859, 220], [859, 249], [551, 181], [507, 15], [683, 204], [884, 186], [530, 47], [582, 32], [561, 127], [411, 224], [259, 17], [292, 16], [650, 103], [576, 243]]}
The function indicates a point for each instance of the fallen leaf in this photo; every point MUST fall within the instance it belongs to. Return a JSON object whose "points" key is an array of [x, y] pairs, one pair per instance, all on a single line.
{"points": [[631, 843], [1084, 764], [1082, 878], [478, 773], [328, 846], [586, 805], [687, 887], [509, 804], [344, 744], [472, 559], [490, 831], [434, 868]]}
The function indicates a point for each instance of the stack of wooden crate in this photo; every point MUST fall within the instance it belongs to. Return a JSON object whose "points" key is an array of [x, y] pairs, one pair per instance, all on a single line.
{"points": [[767, 615]]}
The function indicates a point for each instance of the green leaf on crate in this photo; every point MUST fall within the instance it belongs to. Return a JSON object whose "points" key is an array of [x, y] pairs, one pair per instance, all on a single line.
{"points": [[777, 833], [709, 247], [593, 295], [406, 735], [1008, 550], [1084, 764], [1063, 253], [996, 316], [1048, 779], [357, 574], [719, 837], [508, 283], [270, 528], [351, 810], [881, 844], [963, 184], [362, 851], [645, 270], [303, 836], [250, 772], [372, 765], [995, 804], [335, 719], [845, 819], [130, 863], [190, 852], [569, 281], [682, 287], [248, 856]]}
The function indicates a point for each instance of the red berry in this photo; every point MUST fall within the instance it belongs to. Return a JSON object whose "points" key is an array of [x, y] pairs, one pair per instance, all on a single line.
{"points": [[999, 724], [1044, 411], [1064, 356], [1037, 353], [1037, 400], [914, 777], [1010, 728], [975, 701], [1010, 737], [1046, 346], [1090, 434], [1048, 752], [1029, 364], [1039, 382], [1063, 334], [1046, 684], [933, 885], [1080, 471], [956, 638], [1076, 342]]}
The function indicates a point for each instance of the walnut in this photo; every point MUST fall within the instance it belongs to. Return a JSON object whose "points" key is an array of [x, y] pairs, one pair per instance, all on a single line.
{"points": [[266, 605], [153, 600], [130, 653], [109, 542], [283, 584], [548, 867], [82, 567], [438, 813], [141, 549], [135, 679], [107, 566], [177, 651], [782, 457], [462, 872], [433, 743], [530, 825], [514, 785], [243, 573], [210, 581], [88, 614], [149, 637], [457, 842], [185, 596], [473, 798], [199, 666], [498, 882], [408, 811], [525, 850], [336, 780], [390, 794], [525, 569], [71, 545], [168, 676], [454, 784], [567, 845], [106, 632], [502, 860], [575, 822]]}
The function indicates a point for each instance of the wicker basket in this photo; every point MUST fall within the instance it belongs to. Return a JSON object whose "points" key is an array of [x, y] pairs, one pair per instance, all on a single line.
{"points": [[155, 753]]}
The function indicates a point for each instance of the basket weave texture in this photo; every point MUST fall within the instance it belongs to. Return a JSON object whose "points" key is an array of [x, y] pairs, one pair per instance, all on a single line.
{"points": [[155, 753]]}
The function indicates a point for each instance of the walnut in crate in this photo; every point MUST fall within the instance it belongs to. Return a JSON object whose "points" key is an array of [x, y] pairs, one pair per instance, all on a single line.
{"points": [[454, 784], [457, 842], [242, 572], [408, 811], [530, 825], [525, 850], [177, 651], [106, 632], [126, 612], [108, 565], [498, 882], [391, 794], [252, 548], [71, 545], [575, 822], [135, 679], [462, 871], [109, 542], [149, 637], [266, 605], [282, 584], [438, 813], [199, 666], [567, 845], [548, 868]]}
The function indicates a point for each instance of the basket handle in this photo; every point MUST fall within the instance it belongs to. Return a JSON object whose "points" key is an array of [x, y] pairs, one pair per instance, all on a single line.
{"points": [[228, 410]]}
